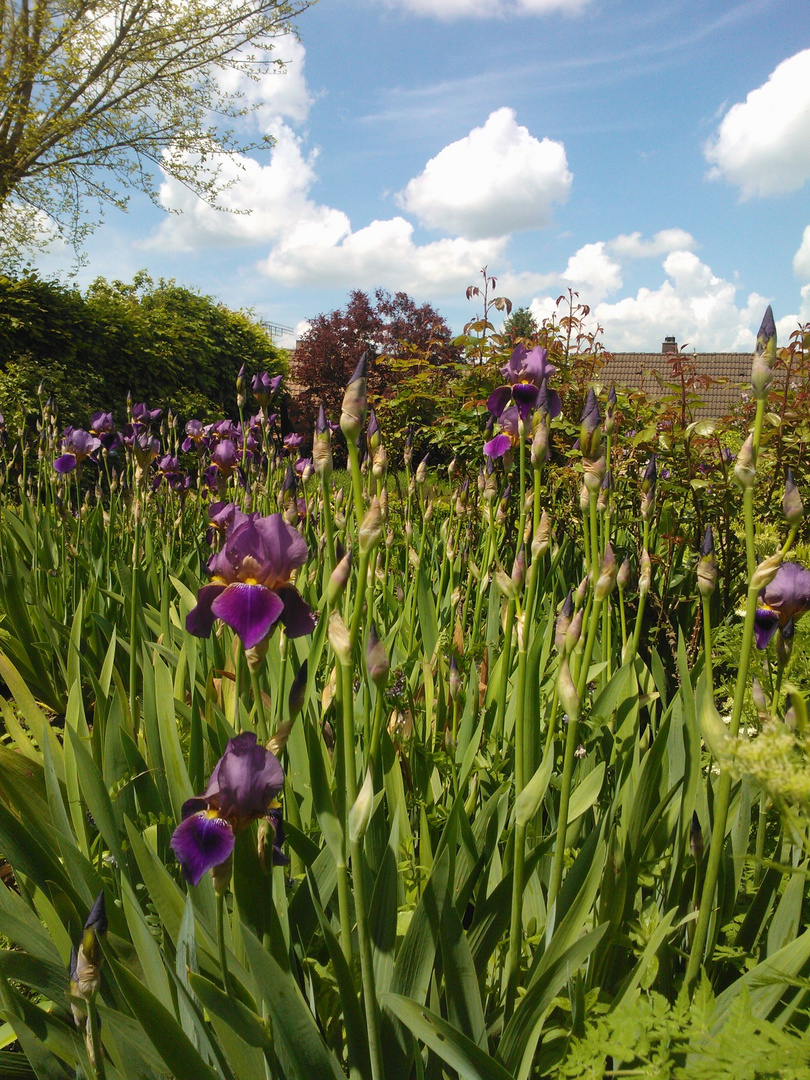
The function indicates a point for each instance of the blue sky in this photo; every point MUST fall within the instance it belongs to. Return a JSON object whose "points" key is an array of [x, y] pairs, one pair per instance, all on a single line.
{"points": [[654, 155]]}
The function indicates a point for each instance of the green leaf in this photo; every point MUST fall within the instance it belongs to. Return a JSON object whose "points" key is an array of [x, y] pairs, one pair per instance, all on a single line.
{"points": [[165, 1033], [459, 1052], [586, 793], [297, 1040]]}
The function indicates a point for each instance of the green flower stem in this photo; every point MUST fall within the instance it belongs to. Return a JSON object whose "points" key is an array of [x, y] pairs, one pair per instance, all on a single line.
{"points": [[279, 702], [707, 642], [370, 1002], [223, 959], [623, 620], [97, 1055], [329, 528], [258, 703], [522, 464], [537, 490], [503, 689], [516, 917], [721, 802], [133, 621], [762, 825], [594, 530], [568, 760], [482, 584], [357, 483]]}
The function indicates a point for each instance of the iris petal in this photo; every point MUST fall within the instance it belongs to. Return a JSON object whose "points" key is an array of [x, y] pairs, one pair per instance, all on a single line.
{"points": [[201, 619], [297, 616], [200, 843], [765, 624], [250, 610]]}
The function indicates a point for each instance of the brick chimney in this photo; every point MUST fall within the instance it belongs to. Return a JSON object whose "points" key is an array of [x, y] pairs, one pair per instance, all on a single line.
{"points": [[669, 347]]}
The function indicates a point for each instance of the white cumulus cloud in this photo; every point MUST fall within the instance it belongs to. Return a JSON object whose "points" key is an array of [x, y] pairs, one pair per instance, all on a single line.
{"points": [[497, 180], [261, 202], [383, 253], [447, 10], [801, 260], [280, 93], [635, 246], [763, 143], [592, 272], [695, 305]]}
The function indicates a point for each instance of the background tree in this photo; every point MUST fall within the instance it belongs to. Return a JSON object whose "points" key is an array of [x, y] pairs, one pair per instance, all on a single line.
{"points": [[521, 325], [397, 335], [165, 344], [95, 94]]}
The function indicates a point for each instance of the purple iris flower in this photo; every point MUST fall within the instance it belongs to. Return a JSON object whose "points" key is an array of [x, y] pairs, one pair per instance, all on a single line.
{"points": [[243, 786], [142, 414], [78, 444], [781, 602], [250, 590], [264, 388], [225, 456], [293, 440], [525, 373], [195, 436], [498, 446]]}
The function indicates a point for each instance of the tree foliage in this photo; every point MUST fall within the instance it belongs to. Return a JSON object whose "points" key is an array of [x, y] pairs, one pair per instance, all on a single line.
{"points": [[397, 335], [160, 342], [95, 94]]}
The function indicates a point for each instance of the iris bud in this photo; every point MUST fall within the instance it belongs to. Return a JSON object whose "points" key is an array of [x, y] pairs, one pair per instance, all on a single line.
{"points": [[370, 532], [707, 565], [339, 638], [542, 536], [298, 691], [355, 404], [696, 838], [574, 631], [645, 574], [764, 356], [606, 581], [377, 664], [623, 576], [765, 572], [563, 622], [338, 579], [360, 812], [792, 506], [744, 470], [569, 699]]}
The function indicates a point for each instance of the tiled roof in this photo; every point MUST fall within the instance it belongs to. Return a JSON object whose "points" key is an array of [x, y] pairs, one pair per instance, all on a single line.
{"points": [[728, 372]]}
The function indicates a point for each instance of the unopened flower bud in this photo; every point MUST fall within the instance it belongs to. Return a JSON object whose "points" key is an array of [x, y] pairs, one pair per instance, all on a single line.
{"points": [[792, 502], [454, 681], [569, 699], [339, 638], [360, 812], [606, 581], [505, 584], [707, 565], [765, 572], [377, 664], [539, 450], [696, 838], [645, 574], [355, 404], [623, 576], [758, 694], [744, 470], [590, 431], [338, 579], [542, 536], [298, 690], [593, 474], [563, 622], [379, 463], [764, 356], [421, 470], [574, 631], [371, 527], [519, 569]]}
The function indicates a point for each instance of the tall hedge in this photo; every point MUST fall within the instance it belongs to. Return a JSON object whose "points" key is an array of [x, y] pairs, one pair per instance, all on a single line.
{"points": [[163, 343]]}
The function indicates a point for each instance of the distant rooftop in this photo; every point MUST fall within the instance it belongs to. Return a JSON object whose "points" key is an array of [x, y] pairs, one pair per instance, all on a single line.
{"points": [[729, 372]]}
